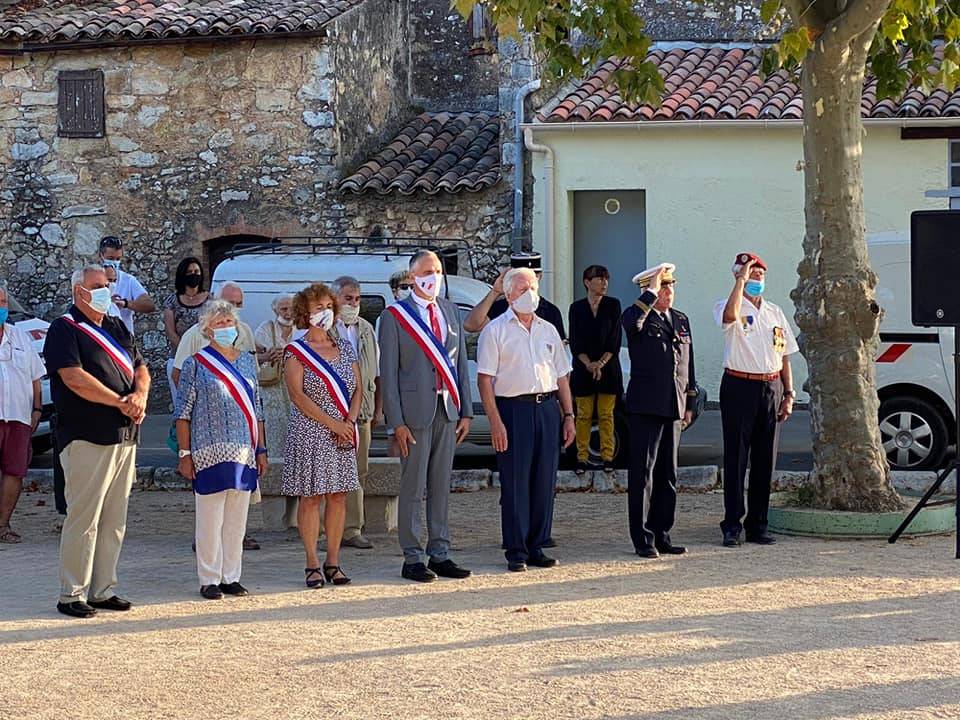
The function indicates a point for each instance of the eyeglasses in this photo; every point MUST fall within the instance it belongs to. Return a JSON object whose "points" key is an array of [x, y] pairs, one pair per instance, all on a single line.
{"points": [[111, 242], [404, 286]]}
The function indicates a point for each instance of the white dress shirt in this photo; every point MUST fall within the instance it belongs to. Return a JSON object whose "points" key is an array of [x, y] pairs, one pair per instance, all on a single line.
{"points": [[20, 365], [759, 341], [424, 307], [349, 333], [521, 361]]}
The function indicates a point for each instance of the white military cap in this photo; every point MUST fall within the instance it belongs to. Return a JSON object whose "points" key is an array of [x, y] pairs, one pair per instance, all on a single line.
{"points": [[643, 278]]}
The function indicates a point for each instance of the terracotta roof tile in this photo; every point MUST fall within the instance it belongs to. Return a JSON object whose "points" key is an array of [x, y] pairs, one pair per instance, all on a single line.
{"points": [[64, 21], [721, 83], [435, 151]]}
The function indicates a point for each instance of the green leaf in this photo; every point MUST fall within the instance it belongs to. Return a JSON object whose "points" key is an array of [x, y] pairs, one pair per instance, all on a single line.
{"points": [[464, 7], [769, 10]]}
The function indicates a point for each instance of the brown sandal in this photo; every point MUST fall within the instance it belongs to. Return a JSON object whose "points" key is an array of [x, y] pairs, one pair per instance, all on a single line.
{"points": [[9, 537]]}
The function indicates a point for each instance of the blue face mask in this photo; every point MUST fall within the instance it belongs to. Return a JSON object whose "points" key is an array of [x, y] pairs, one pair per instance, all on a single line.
{"points": [[754, 288], [225, 336], [4, 314]]}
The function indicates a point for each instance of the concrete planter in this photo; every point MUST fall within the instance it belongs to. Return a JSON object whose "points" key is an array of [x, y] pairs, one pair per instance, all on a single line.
{"points": [[786, 520]]}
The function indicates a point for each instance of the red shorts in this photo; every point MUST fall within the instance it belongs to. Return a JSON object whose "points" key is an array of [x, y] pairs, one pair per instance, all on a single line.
{"points": [[14, 448]]}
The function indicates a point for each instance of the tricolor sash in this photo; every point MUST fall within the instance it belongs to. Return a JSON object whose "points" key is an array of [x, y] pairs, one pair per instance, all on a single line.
{"points": [[105, 340], [430, 344], [336, 386], [236, 385]]}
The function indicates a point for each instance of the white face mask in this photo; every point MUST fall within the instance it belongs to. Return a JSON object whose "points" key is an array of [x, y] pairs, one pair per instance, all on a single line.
{"points": [[322, 319], [429, 284], [100, 299], [349, 314], [403, 294], [527, 303]]}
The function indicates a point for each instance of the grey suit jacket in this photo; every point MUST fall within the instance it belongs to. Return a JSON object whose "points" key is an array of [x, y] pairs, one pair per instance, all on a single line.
{"points": [[408, 379]]}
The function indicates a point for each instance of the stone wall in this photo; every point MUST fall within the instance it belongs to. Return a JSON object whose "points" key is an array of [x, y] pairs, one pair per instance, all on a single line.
{"points": [[730, 20]]}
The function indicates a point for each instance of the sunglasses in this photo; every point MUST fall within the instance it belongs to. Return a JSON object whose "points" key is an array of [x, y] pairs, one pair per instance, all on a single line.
{"points": [[405, 286]]}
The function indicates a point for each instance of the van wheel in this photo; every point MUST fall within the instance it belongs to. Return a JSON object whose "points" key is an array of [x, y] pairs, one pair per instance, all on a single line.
{"points": [[913, 433]]}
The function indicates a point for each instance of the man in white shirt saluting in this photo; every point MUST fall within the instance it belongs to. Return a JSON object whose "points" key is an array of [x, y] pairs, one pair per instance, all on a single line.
{"points": [[128, 294], [756, 394]]}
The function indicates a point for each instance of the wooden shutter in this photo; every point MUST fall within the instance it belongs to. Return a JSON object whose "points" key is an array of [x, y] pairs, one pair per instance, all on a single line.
{"points": [[80, 104]]}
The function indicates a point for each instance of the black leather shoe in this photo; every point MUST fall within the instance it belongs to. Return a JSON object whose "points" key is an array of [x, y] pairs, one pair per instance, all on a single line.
{"points": [[542, 561], [233, 588], [549, 543], [762, 539], [77, 609], [731, 538], [111, 603], [517, 566], [665, 547], [418, 572], [449, 569], [648, 552], [211, 592]]}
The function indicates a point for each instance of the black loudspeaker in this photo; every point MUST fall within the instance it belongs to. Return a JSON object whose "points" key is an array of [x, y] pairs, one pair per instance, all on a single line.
{"points": [[935, 267]]}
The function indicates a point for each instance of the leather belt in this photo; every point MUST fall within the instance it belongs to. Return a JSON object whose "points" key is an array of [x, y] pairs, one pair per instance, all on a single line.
{"points": [[759, 377], [533, 397]]}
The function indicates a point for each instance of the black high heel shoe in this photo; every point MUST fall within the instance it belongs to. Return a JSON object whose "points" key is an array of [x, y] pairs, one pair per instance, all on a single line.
{"points": [[314, 577], [334, 574]]}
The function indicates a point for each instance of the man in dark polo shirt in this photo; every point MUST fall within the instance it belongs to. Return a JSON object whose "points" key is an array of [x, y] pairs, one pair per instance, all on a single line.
{"points": [[99, 385]]}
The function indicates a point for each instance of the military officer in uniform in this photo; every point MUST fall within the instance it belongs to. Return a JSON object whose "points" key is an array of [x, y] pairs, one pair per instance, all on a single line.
{"points": [[660, 399], [756, 394]]}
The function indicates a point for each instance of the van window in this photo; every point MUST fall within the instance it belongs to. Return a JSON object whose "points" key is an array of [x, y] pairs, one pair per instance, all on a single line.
{"points": [[370, 308], [469, 338]]}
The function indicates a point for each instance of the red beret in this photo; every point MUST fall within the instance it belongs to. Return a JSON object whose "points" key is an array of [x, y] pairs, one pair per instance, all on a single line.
{"points": [[745, 257]]}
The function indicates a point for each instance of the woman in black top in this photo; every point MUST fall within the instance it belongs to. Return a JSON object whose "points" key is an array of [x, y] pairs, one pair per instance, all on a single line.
{"points": [[597, 379]]}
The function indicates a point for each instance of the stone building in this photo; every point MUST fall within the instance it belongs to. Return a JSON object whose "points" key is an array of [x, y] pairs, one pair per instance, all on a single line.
{"points": [[188, 126]]}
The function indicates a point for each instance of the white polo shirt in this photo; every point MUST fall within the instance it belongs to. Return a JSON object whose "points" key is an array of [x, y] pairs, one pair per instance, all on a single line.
{"points": [[20, 365], [129, 288], [759, 341], [521, 362]]}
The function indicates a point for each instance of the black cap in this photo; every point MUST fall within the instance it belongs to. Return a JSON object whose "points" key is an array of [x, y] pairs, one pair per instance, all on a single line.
{"points": [[111, 241], [526, 260]]}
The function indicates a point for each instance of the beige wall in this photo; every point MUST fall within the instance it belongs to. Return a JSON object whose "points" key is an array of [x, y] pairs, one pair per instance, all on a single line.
{"points": [[713, 192]]}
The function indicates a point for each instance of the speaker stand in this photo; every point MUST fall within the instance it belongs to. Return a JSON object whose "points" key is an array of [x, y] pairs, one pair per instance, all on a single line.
{"points": [[954, 465]]}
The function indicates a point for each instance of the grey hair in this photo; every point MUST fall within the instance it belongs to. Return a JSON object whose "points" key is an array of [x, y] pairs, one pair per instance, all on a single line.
{"points": [[514, 274], [214, 309], [80, 274], [398, 277], [275, 303], [420, 254], [228, 284], [343, 282]]}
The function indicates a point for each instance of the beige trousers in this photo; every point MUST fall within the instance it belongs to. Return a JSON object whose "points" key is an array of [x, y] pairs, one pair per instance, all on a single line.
{"points": [[97, 481], [354, 520]]}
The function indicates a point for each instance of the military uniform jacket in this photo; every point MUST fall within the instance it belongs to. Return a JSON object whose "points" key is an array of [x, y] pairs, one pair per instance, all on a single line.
{"points": [[662, 377]]}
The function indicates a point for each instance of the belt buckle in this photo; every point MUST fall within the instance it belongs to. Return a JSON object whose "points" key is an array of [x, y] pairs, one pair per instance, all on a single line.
{"points": [[539, 398]]}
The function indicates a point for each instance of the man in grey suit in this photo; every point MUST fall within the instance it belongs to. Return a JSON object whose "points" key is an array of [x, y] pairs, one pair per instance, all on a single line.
{"points": [[427, 406]]}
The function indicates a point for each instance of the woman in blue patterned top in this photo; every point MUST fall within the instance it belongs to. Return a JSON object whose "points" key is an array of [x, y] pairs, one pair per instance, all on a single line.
{"points": [[220, 419]]}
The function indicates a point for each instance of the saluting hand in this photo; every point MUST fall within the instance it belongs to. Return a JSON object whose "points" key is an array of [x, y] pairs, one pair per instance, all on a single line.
{"points": [[498, 283], [745, 269]]}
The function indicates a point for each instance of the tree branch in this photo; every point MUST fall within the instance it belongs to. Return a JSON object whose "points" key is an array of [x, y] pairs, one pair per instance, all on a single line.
{"points": [[857, 19]]}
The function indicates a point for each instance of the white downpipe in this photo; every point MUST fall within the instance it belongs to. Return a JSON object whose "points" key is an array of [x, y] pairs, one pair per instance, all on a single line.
{"points": [[521, 96], [549, 265]]}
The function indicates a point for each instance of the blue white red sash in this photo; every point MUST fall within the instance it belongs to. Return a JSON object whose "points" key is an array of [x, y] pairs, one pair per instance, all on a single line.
{"points": [[106, 341], [236, 384], [431, 346], [336, 386]]}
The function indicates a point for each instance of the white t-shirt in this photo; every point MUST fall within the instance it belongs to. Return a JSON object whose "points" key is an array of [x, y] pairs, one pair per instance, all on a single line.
{"points": [[20, 365], [129, 288], [521, 362], [759, 341]]}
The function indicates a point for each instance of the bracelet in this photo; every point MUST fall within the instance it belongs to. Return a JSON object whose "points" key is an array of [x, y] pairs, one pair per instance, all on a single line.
{"points": [[39, 410]]}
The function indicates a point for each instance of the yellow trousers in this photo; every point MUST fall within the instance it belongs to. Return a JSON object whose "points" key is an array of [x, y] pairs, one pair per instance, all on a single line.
{"points": [[605, 405]]}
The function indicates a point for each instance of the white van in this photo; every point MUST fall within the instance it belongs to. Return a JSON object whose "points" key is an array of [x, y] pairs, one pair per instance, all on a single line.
{"points": [[268, 270], [914, 366]]}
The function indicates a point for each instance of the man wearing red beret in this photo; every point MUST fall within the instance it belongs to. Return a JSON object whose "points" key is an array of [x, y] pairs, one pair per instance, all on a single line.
{"points": [[756, 394]]}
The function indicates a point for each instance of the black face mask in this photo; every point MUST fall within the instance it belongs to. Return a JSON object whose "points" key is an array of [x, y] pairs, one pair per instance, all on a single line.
{"points": [[192, 280]]}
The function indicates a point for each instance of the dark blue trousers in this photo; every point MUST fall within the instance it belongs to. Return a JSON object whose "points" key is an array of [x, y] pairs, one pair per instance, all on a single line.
{"points": [[528, 474]]}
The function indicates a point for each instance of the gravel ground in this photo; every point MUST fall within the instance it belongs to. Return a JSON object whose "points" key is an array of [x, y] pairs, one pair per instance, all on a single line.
{"points": [[805, 630]]}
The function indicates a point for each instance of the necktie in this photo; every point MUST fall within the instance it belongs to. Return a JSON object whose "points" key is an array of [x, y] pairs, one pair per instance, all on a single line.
{"points": [[435, 326]]}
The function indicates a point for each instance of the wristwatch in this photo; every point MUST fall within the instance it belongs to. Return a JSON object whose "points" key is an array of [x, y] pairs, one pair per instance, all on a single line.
{"points": [[790, 393], [184, 453]]}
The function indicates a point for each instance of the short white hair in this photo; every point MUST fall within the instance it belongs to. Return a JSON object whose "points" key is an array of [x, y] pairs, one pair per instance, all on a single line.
{"points": [[228, 284], [216, 309], [80, 274], [516, 273], [282, 297]]}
